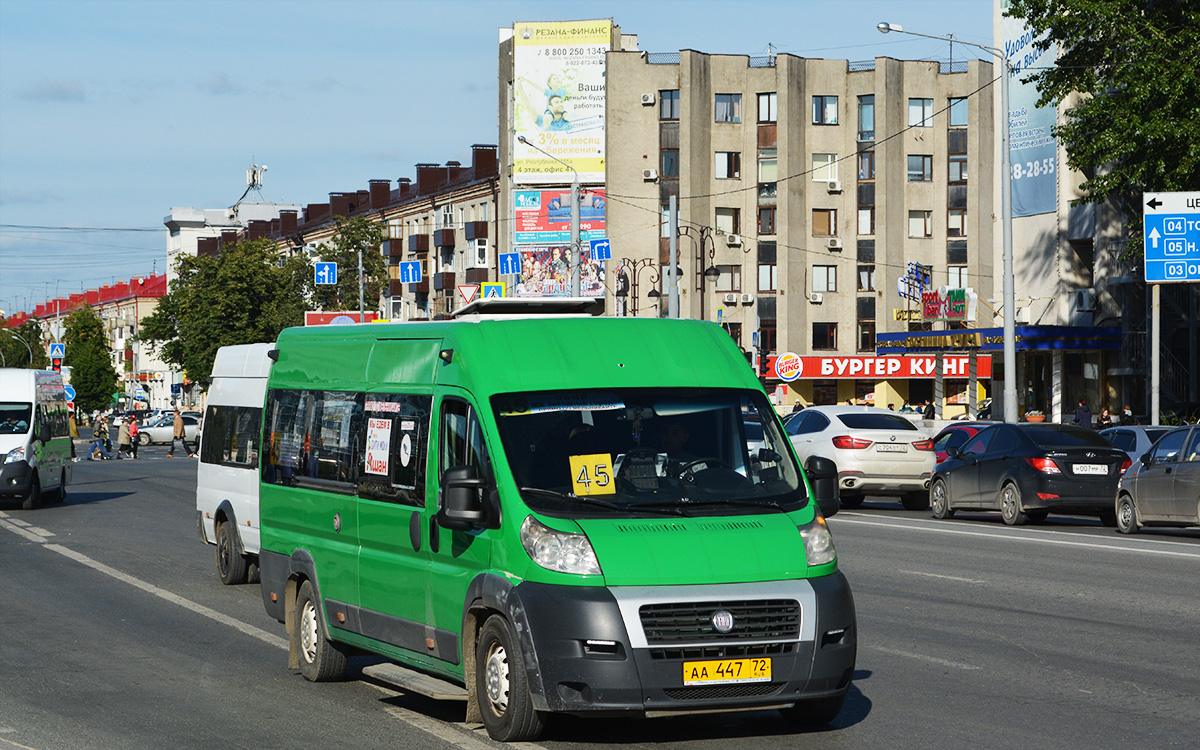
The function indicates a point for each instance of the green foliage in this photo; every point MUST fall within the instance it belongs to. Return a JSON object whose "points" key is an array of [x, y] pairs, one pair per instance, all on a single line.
{"points": [[247, 294], [92, 373], [15, 353], [1137, 126], [353, 235]]}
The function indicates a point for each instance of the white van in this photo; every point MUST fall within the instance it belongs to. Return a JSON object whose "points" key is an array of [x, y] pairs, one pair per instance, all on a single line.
{"points": [[227, 477], [35, 437]]}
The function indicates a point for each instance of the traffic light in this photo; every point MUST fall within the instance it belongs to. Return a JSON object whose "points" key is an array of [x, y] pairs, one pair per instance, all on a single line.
{"points": [[56, 364], [763, 368]]}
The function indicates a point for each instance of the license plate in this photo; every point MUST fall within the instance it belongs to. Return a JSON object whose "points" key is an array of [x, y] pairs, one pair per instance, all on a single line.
{"points": [[1097, 469], [726, 671], [891, 448]]}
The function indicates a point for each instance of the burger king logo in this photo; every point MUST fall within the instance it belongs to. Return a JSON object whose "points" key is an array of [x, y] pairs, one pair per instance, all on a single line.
{"points": [[788, 367]]}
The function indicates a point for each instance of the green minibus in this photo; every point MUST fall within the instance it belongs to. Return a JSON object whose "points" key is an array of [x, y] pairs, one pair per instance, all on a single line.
{"points": [[540, 510]]}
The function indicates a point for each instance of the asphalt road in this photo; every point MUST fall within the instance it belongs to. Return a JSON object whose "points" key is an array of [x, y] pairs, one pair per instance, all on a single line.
{"points": [[118, 634]]}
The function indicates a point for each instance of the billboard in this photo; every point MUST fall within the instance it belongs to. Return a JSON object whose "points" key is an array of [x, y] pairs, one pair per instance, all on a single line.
{"points": [[546, 272], [788, 367], [543, 217], [320, 318], [558, 100], [1032, 148]]}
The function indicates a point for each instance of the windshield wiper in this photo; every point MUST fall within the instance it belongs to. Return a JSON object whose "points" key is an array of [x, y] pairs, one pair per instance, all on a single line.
{"points": [[741, 503], [572, 498], [661, 507]]}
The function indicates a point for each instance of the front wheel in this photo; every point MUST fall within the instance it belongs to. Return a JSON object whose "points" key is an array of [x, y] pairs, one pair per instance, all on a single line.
{"points": [[939, 500], [501, 686], [851, 501], [320, 659], [34, 498], [1126, 515], [1010, 505], [815, 712], [231, 565], [143, 439]]}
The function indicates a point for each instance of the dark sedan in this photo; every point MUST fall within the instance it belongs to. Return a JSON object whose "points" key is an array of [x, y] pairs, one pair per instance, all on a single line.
{"points": [[1026, 471]]}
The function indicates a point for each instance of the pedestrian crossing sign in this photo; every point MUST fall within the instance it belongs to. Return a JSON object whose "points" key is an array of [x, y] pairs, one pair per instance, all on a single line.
{"points": [[492, 290]]}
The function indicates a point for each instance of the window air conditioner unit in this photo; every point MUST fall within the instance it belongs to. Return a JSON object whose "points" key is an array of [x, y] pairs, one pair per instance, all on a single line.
{"points": [[1085, 300], [815, 298], [733, 240], [648, 100], [649, 175], [834, 243], [835, 186], [731, 299], [747, 299]]}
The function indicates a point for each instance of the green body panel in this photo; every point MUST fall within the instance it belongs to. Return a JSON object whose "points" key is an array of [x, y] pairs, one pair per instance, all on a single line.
{"points": [[323, 523]]}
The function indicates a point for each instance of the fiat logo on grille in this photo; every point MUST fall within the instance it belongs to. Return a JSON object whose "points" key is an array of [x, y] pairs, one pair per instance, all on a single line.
{"points": [[723, 621]]}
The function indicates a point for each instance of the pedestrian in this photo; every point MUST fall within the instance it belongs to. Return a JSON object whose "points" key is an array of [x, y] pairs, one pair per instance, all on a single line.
{"points": [[891, 407], [1127, 416], [73, 428], [928, 411], [179, 434], [907, 407], [1104, 420], [1083, 415], [133, 435], [99, 432], [123, 439]]}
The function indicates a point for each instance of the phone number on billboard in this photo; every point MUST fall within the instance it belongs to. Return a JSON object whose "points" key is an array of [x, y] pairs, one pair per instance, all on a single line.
{"points": [[572, 51]]}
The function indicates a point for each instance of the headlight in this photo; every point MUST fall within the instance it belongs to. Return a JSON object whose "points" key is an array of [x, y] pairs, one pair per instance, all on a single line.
{"points": [[558, 550], [818, 542], [16, 454]]}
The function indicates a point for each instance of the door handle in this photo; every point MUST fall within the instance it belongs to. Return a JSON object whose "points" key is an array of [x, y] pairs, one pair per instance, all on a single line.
{"points": [[414, 530]]}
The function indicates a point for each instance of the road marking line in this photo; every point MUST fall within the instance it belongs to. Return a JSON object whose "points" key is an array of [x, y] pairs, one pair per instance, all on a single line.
{"points": [[948, 578], [938, 529], [456, 733], [22, 532], [923, 657]]}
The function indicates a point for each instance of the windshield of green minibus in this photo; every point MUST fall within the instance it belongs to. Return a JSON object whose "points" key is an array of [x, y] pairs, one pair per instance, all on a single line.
{"points": [[658, 450]]}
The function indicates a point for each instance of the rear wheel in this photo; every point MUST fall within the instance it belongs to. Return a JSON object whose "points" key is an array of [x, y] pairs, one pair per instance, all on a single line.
{"points": [[60, 494], [501, 687], [320, 659], [851, 501], [231, 565], [1036, 516], [915, 501], [1109, 519], [815, 712], [1010, 505], [1126, 515], [939, 500]]}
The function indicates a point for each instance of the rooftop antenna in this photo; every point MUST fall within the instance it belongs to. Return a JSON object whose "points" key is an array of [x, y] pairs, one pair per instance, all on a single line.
{"points": [[254, 180]]}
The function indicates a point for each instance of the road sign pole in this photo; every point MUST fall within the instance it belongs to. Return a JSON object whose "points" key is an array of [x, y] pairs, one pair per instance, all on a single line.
{"points": [[1154, 356]]}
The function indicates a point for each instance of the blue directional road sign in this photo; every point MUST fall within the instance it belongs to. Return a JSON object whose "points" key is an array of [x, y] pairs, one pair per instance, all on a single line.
{"points": [[70, 391], [601, 250], [1171, 227], [510, 263], [410, 272], [326, 273], [58, 351]]}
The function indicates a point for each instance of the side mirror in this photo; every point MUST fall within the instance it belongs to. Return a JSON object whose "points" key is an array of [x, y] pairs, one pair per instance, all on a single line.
{"points": [[952, 451], [462, 507], [822, 475], [1146, 459], [44, 433]]}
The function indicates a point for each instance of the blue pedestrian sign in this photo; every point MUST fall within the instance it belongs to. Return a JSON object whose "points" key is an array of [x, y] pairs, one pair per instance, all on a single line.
{"points": [[1171, 230], [325, 273], [510, 263], [58, 351], [601, 250], [410, 272]]}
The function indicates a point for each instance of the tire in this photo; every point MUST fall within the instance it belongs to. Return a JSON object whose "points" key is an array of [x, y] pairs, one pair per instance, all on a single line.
{"points": [[1010, 505], [34, 498], [143, 439], [320, 659], [58, 495], [915, 501], [1126, 515], [815, 712], [231, 565], [851, 501], [501, 687], [1109, 518], [252, 570], [939, 500]]}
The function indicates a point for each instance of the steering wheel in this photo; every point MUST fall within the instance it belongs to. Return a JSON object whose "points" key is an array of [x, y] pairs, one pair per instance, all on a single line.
{"points": [[687, 471]]}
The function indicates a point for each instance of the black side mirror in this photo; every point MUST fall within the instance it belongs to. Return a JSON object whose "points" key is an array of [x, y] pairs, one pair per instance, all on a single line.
{"points": [[823, 476], [952, 451], [1146, 459], [44, 433], [462, 492]]}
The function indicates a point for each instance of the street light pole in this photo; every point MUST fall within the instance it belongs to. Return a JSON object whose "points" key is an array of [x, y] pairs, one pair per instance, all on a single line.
{"points": [[576, 250], [1010, 303]]}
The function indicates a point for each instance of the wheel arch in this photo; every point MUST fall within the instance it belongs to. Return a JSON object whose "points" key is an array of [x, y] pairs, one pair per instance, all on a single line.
{"points": [[1137, 514], [490, 594], [225, 514], [300, 569]]}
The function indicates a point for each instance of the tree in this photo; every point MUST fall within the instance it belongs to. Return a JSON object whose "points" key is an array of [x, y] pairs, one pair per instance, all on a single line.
{"points": [[247, 294], [1137, 126], [92, 373], [354, 235], [15, 353]]}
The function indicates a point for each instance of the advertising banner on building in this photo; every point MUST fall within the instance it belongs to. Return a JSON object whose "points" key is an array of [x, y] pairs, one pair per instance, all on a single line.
{"points": [[558, 100], [543, 217], [950, 305], [546, 272], [1033, 149], [788, 367], [319, 318]]}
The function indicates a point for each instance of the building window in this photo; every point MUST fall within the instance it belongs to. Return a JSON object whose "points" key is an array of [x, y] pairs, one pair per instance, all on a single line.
{"points": [[730, 279], [920, 113], [728, 108], [920, 223], [824, 278], [866, 278], [729, 220], [670, 162], [958, 168], [956, 277], [956, 225], [668, 105], [866, 166], [768, 276], [766, 107], [766, 220], [729, 165], [666, 221], [866, 335], [866, 220], [866, 117], [768, 165], [824, 167], [735, 332], [824, 336], [958, 112], [920, 168], [768, 336], [824, 222], [825, 110]]}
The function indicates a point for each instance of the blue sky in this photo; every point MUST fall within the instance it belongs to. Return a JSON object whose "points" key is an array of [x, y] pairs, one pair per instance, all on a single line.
{"points": [[113, 112]]}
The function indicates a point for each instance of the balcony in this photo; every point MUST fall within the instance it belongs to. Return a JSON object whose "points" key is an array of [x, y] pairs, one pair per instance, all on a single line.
{"points": [[443, 281], [476, 230], [418, 243], [443, 238]]}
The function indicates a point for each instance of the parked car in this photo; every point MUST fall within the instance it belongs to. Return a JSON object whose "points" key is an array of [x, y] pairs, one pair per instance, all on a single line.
{"points": [[1162, 488], [955, 435], [1134, 440], [162, 429], [877, 451], [1025, 471]]}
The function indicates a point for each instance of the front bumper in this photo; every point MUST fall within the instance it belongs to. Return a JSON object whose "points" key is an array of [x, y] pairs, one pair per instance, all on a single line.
{"points": [[594, 657], [16, 479]]}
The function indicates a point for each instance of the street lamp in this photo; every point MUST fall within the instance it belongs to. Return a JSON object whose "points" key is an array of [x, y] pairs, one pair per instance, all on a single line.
{"points": [[703, 237], [1010, 303], [576, 261], [23, 341], [629, 272]]}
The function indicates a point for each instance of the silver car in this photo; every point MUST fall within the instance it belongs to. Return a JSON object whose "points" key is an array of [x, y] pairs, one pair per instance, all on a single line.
{"points": [[877, 452], [161, 430], [1133, 439], [1163, 487]]}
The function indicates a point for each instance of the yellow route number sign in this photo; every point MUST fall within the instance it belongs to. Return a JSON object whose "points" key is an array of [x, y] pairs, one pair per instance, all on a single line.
{"points": [[592, 474]]}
